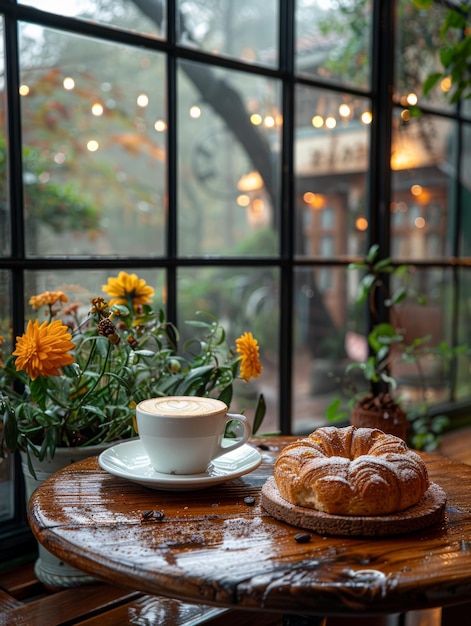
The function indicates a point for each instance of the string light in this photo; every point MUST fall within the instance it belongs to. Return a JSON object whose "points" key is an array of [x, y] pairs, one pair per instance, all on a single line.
{"points": [[243, 200], [97, 109], [195, 112], [361, 223], [445, 84], [160, 126], [68, 83], [142, 100], [23, 90], [256, 119]]}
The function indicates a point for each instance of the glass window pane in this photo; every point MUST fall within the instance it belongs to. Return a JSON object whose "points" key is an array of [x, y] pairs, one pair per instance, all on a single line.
{"points": [[117, 13], [429, 377], [333, 40], [331, 160], [5, 312], [7, 501], [7, 494], [246, 29], [81, 285], [325, 329], [416, 45], [464, 333], [4, 209], [243, 300], [423, 164], [229, 135], [465, 180], [94, 131]]}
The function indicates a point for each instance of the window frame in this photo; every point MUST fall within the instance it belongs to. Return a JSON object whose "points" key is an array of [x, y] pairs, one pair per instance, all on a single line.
{"points": [[378, 181]]}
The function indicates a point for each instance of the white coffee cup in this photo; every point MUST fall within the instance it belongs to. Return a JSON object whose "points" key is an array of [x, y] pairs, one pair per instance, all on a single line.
{"points": [[183, 434]]}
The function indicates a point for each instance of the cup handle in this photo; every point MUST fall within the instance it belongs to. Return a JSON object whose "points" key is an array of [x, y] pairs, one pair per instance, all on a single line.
{"points": [[244, 423]]}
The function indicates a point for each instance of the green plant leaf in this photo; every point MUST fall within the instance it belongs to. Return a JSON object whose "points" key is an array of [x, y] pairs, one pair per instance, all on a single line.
{"points": [[430, 82], [226, 395], [259, 414], [383, 266], [372, 253], [423, 4], [332, 412], [38, 389]]}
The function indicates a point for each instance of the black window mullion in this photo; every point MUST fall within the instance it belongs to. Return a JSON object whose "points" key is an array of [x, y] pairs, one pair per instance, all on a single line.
{"points": [[287, 216], [15, 170], [172, 162], [382, 84], [21, 537]]}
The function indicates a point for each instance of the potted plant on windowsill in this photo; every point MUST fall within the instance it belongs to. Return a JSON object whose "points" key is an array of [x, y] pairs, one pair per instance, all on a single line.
{"points": [[388, 345], [71, 385]]}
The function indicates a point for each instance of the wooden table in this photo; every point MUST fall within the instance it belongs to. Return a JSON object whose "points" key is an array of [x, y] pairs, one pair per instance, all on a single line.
{"points": [[216, 547]]}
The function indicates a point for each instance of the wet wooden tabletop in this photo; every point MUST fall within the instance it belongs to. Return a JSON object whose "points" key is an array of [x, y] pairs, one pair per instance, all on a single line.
{"points": [[214, 546]]}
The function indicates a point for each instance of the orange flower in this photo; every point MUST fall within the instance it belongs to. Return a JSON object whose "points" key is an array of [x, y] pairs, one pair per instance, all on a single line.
{"points": [[47, 298], [128, 287], [43, 349], [247, 347]]}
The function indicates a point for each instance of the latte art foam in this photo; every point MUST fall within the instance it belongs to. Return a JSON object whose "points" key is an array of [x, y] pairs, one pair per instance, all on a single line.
{"points": [[182, 406]]}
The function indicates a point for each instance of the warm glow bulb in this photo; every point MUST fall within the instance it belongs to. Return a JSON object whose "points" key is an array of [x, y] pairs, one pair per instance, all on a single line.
{"points": [[269, 121], [160, 126], [317, 121], [445, 84], [142, 100], [308, 197], [412, 99], [344, 110], [69, 83], [97, 109], [92, 145], [243, 200], [331, 122], [195, 112], [361, 223], [366, 117], [23, 90], [419, 222], [256, 119], [405, 115], [416, 190]]}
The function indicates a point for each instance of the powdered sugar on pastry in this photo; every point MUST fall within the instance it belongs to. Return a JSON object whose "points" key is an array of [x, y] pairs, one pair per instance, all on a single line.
{"points": [[351, 471]]}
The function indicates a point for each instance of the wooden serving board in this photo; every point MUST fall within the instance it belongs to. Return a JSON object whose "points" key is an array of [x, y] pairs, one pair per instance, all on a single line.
{"points": [[429, 510]]}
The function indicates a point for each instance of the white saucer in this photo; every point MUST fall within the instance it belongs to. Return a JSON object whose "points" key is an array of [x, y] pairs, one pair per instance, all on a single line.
{"points": [[128, 460]]}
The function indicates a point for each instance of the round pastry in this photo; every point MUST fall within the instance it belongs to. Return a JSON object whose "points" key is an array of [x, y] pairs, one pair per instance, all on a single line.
{"points": [[351, 471]]}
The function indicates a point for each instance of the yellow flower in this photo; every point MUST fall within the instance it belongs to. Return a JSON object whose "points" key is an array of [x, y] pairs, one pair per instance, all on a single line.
{"points": [[47, 298], [128, 287], [247, 347], [42, 349]]}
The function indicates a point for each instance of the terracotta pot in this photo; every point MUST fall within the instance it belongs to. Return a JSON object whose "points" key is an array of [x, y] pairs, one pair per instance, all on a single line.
{"points": [[389, 421], [50, 570]]}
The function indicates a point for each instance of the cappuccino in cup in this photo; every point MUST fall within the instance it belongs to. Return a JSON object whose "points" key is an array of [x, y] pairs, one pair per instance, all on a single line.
{"points": [[183, 434]]}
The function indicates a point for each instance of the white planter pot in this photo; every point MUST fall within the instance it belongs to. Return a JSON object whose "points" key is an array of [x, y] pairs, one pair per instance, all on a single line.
{"points": [[50, 570]]}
